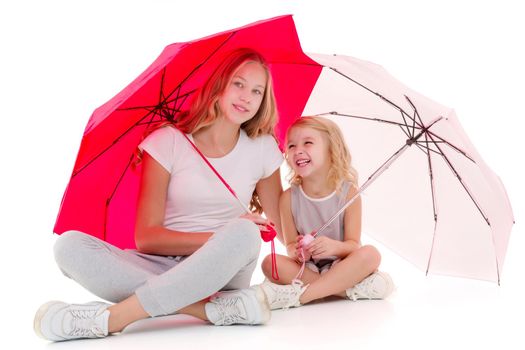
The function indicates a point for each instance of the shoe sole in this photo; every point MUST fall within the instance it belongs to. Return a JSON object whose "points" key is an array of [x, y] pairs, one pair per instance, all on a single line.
{"points": [[265, 306], [37, 322]]}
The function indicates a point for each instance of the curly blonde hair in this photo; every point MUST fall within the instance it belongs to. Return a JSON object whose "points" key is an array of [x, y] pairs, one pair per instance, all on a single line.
{"points": [[341, 168]]}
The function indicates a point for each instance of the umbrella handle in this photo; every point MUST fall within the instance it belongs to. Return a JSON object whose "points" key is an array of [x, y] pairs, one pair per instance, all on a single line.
{"points": [[307, 239]]}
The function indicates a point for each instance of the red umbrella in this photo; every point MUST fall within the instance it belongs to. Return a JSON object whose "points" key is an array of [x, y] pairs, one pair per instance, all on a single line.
{"points": [[101, 196]]}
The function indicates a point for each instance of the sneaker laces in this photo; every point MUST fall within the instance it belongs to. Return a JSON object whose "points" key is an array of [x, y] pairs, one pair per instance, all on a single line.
{"points": [[289, 295], [363, 289], [229, 310], [83, 323]]}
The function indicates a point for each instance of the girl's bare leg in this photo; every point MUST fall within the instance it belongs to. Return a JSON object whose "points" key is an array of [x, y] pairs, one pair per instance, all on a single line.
{"points": [[345, 274], [288, 269], [130, 310]]}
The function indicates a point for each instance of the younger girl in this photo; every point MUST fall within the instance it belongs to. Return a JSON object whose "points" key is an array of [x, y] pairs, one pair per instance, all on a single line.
{"points": [[322, 181]]}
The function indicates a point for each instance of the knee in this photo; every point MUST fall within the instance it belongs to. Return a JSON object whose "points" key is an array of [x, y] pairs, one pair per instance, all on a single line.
{"points": [[64, 244], [266, 265], [66, 248], [244, 236], [248, 236], [370, 257]]}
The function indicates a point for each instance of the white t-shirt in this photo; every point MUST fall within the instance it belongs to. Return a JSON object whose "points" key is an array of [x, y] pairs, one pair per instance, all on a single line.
{"points": [[197, 200]]}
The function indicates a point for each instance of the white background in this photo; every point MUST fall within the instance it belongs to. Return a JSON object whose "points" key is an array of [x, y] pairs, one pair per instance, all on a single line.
{"points": [[59, 60]]}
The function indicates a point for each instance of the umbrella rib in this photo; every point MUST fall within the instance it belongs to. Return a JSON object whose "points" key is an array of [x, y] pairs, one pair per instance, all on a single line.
{"points": [[460, 180], [472, 198], [178, 108], [451, 145], [428, 135], [190, 73], [424, 147], [377, 94], [140, 120], [150, 121], [161, 91], [401, 125], [198, 66], [108, 200], [361, 117], [111, 145], [416, 113], [409, 133], [152, 107]]}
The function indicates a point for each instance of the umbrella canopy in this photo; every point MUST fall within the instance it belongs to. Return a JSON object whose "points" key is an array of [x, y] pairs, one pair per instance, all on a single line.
{"points": [[437, 203], [101, 196]]}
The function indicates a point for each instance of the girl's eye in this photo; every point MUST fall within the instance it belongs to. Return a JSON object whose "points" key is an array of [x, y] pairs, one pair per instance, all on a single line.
{"points": [[238, 84], [308, 142], [291, 146], [257, 92]]}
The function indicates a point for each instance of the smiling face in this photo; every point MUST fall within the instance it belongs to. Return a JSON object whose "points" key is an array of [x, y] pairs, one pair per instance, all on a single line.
{"points": [[242, 98], [307, 152]]}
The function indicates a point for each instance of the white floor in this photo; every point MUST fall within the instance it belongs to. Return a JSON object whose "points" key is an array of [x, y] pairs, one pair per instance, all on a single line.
{"points": [[61, 59], [431, 312]]}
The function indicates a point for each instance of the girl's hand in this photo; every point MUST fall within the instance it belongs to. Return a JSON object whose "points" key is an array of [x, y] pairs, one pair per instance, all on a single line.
{"points": [[323, 247], [258, 220], [299, 247]]}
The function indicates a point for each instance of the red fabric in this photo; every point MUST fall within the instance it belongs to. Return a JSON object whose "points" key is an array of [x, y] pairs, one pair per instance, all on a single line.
{"points": [[268, 236], [101, 196]]}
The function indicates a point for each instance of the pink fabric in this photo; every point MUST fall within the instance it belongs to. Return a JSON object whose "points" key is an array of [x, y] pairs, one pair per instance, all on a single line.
{"points": [[398, 206]]}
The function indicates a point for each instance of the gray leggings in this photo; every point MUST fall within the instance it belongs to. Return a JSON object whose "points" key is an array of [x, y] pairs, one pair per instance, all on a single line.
{"points": [[162, 284]]}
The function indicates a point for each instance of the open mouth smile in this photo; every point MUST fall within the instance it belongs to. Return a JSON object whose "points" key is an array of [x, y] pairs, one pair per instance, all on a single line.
{"points": [[302, 162]]}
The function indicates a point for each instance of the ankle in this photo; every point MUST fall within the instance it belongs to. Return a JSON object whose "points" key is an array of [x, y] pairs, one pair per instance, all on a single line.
{"points": [[124, 313], [118, 321], [305, 298], [114, 326], [342, 294]]}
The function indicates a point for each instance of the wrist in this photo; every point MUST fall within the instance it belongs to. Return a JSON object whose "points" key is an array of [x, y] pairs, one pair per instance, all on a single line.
{"points": [[291, 252], [343, 249]]}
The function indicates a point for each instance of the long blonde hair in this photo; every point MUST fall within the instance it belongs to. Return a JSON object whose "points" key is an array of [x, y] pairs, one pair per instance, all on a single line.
{"points": [[341, 168], [205, 110]]}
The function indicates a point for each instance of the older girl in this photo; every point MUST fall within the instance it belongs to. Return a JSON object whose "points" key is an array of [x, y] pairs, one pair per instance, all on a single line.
{"points": [[192, 238]]}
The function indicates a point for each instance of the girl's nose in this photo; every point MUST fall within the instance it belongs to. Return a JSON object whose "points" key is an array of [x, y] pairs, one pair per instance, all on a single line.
{"points": [[245, 98]]}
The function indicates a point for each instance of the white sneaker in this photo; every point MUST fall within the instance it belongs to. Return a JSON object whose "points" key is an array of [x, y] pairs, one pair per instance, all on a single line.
{"points": [[57, 321], [245, 306], [283, 296], [378, 285]]}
